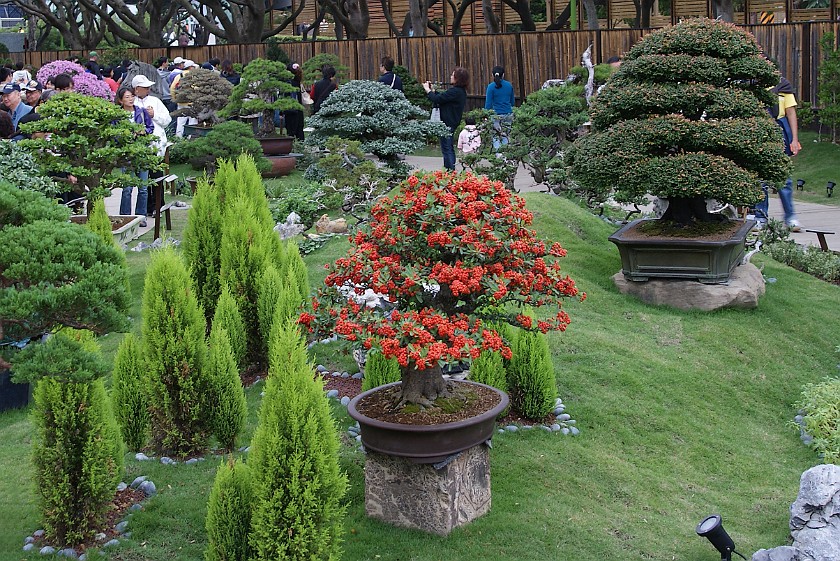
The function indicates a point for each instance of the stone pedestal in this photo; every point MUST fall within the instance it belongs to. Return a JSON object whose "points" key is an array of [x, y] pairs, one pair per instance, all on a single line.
{"points": [[743, 289], [421, 496]]}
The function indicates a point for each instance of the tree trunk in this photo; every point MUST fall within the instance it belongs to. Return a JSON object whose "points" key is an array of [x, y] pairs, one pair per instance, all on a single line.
{"points": [[422, 387], [591, 14], [685, 210], [724, 10], [418, 14], [491, 22]]}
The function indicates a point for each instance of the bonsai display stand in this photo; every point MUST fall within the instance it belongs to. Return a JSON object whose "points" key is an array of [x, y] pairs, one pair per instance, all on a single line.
{"points": [[434, 498]]}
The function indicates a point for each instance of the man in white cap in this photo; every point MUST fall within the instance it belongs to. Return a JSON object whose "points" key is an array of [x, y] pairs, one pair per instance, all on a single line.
{"points": [[160, 118], [179, 67], [173, 91]]}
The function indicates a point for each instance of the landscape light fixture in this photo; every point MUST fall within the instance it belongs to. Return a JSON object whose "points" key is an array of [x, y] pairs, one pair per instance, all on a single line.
{"points": [[800, 184], [829, 189], [711, 528]]}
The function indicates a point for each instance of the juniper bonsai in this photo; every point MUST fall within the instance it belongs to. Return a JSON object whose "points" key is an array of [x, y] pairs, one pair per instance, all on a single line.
{"points": [[204, 93], [264, 89], [684, 118]]}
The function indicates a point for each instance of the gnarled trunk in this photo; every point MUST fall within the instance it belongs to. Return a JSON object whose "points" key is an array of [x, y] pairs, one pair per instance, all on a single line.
{"points": [[422, 387]]}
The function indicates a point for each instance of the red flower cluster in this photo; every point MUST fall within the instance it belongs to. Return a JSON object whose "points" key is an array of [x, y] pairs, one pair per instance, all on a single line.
{"points": [[450, 251]]}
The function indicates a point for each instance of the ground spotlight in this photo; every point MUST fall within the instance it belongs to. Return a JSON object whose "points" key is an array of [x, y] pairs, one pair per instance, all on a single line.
{"points": [[800, 184], [711, 528], [829, 189]]}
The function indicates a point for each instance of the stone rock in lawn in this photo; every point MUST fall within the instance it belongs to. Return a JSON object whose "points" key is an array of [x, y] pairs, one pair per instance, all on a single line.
{"points": [[47, 550], [814, 519], [111, 543], [743, 290], [141, 457], [121, 527], [332, 393], [345, 400], [68, 552], [122, 486], [29, 547], [38, 534], [148, 488], [29, 539], [137, 481]]}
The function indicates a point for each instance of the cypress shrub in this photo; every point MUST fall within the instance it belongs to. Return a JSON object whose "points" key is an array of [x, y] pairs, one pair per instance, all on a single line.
{"points": [[380, 371], [289, 305], [173, 336], [533, 387], [99, 222], [298, 486], [229, 408], [228, 317], [298, 268], [77, 451], [270, 287], [127, 393], [229, 513], [201, 243], [244, 255], [489, 368]]}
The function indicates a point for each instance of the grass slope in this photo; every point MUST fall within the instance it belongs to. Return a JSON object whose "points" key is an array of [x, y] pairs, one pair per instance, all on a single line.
{"points": [[682, 414]]}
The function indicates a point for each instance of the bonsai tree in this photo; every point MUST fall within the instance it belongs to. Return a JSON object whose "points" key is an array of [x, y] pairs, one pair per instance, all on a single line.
{"points": [[91, 139], [450, 252], [684, 118], [264, 89], [378, 116], [226, 141], [204, 93]]}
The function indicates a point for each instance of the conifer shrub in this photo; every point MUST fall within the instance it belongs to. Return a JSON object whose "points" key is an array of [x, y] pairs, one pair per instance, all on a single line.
{"points": [[489, 368], [99, 223], [77, 451], [229, 513], [128, 393], [531, 382], [228, 317], [173, 336], [269, 289], [298, 485], [228, 404], [380, 371], [201, 245], [297, 270]]}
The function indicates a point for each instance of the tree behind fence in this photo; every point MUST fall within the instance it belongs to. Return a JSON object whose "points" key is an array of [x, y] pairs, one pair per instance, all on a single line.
{"points": [[529, 58]]}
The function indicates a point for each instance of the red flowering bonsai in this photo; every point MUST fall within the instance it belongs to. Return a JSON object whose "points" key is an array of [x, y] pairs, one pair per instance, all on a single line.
{"points": [[450, 253]]}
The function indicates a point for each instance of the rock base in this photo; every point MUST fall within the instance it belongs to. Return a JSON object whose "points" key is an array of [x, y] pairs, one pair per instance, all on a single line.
{"points": [[744, 288], [418, 496], [814, 519]]}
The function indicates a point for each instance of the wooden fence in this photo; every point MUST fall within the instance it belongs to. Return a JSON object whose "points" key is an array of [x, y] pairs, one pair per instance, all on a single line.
{"points": [[530, 58]]}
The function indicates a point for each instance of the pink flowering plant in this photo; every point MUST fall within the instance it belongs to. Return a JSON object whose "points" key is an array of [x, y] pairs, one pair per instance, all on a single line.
{"points": [[451, 253], [83, 82]]}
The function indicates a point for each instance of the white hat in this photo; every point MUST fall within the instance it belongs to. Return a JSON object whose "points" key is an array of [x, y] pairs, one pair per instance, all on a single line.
{"points": [[188, 63], [141, 81], [178, 60]]}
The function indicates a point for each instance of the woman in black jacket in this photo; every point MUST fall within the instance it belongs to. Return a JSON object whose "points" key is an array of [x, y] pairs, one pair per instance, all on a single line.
{"points": [[324, 87], [451, 103]]}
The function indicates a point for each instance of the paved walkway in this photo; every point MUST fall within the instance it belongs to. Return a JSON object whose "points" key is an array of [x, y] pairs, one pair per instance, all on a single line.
{"points": [[812, 216]]}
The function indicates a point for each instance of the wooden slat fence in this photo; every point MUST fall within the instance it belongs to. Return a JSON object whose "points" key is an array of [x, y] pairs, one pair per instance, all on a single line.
{"points": [[530, 58]]}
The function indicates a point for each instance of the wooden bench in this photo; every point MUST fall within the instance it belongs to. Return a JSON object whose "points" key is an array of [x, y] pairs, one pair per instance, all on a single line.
{"points": [[821, 237]]}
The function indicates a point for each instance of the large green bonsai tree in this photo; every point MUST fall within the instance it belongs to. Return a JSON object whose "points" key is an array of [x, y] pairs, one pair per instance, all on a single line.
{"points": [[91, 139], [684, 118], [264, 88]]}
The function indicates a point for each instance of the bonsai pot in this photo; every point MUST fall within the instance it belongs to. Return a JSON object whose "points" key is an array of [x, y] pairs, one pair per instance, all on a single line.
{"points": [[196, 130], [280, 165], [276, 145], [123, 228], [12, 395], [706, 260], [426, 443]]}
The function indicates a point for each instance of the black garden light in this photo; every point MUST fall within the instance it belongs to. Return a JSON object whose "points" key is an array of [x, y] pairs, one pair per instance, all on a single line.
{"points": [[711, 528], [800, 184], [829, 189]]}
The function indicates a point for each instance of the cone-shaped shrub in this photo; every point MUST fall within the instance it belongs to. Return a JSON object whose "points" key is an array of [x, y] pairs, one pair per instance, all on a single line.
{"points": [[128, 393], [229, 513], [531, 382], [380, 371], [99, 222], [202, 240], [244, 255], [228, 317], [298, 486], [229, 408], [173, 338], [298, 268], [269, 288], [489, 368], [77, 450], [289, 304]]}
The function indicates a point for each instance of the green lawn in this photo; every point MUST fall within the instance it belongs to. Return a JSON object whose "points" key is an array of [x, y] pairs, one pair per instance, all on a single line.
{"points": [[817, 164], [682, 414]]}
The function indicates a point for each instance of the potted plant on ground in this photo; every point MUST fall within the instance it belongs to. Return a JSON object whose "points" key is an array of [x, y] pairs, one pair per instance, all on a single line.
{"points": [[203, 94], [684, 118], [448, 253], [265, 88]]}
